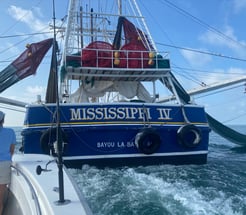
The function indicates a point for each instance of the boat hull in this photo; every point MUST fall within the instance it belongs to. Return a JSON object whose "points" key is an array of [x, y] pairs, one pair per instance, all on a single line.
{"points": [[126, 134], [34, 192]]}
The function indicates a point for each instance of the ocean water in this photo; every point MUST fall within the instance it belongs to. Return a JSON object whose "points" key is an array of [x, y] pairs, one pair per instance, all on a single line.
{"points": [[216, 188]]}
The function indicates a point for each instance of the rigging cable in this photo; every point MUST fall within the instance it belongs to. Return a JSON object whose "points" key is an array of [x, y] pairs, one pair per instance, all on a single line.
{"points": [[18, 20], [203, 52], [202, 23], [24, 35], [14, 45], [183, 12], [195, 79], [234, 118]]}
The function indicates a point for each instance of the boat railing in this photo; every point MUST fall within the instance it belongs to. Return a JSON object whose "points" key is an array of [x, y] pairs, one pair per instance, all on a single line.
{"points": [[32, 190], [133, 65], [128, 59]]}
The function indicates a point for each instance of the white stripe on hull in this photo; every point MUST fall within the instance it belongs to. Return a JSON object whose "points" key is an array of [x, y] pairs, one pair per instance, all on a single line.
{"points": [[134, 155]]}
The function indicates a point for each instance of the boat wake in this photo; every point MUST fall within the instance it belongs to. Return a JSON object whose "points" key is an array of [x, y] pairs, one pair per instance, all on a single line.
{"points": [[163, 190]]}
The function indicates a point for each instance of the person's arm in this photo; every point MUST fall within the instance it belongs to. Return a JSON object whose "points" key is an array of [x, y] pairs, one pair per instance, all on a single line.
{"points": [[12, 149]]}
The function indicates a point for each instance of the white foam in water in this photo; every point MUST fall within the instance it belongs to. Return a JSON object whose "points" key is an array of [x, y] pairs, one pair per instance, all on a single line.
{"points": [[133, 191]]}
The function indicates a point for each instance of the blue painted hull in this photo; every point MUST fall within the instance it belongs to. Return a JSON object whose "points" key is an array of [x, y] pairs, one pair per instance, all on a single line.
{"points": [[105, 135]]}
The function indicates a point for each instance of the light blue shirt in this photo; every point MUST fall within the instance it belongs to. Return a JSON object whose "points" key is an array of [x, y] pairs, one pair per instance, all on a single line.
{"points": [[7, 137]]}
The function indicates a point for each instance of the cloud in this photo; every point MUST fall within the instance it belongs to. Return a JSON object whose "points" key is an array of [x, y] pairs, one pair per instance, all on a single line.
{"points": [[220, 75], [229, 40], [239, 5], [29, 18], [195, 58], [38, 11], [33, 91], [216, 39]]}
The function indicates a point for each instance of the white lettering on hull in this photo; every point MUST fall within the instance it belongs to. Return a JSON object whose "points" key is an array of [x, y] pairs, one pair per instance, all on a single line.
{"points": [[118, 113], [119, 144]]}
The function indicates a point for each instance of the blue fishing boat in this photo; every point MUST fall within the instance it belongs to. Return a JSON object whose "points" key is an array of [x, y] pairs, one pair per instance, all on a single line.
{"points": [[110, 111]]}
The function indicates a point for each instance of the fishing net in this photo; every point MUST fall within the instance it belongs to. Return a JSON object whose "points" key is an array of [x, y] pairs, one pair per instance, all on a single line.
{"points": [[97, 54]]}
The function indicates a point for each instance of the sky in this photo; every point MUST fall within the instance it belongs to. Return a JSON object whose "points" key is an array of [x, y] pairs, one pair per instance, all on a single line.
{"points": [[213, 29]]}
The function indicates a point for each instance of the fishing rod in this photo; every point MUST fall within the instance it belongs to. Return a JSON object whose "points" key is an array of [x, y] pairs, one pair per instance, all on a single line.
{"points": [[61, 200]]}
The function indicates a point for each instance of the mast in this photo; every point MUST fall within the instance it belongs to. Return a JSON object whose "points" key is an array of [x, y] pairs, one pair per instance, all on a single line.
{"points": [[81, 27], [144, 24], [67, 46], [120, 7], [92, 26]]}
